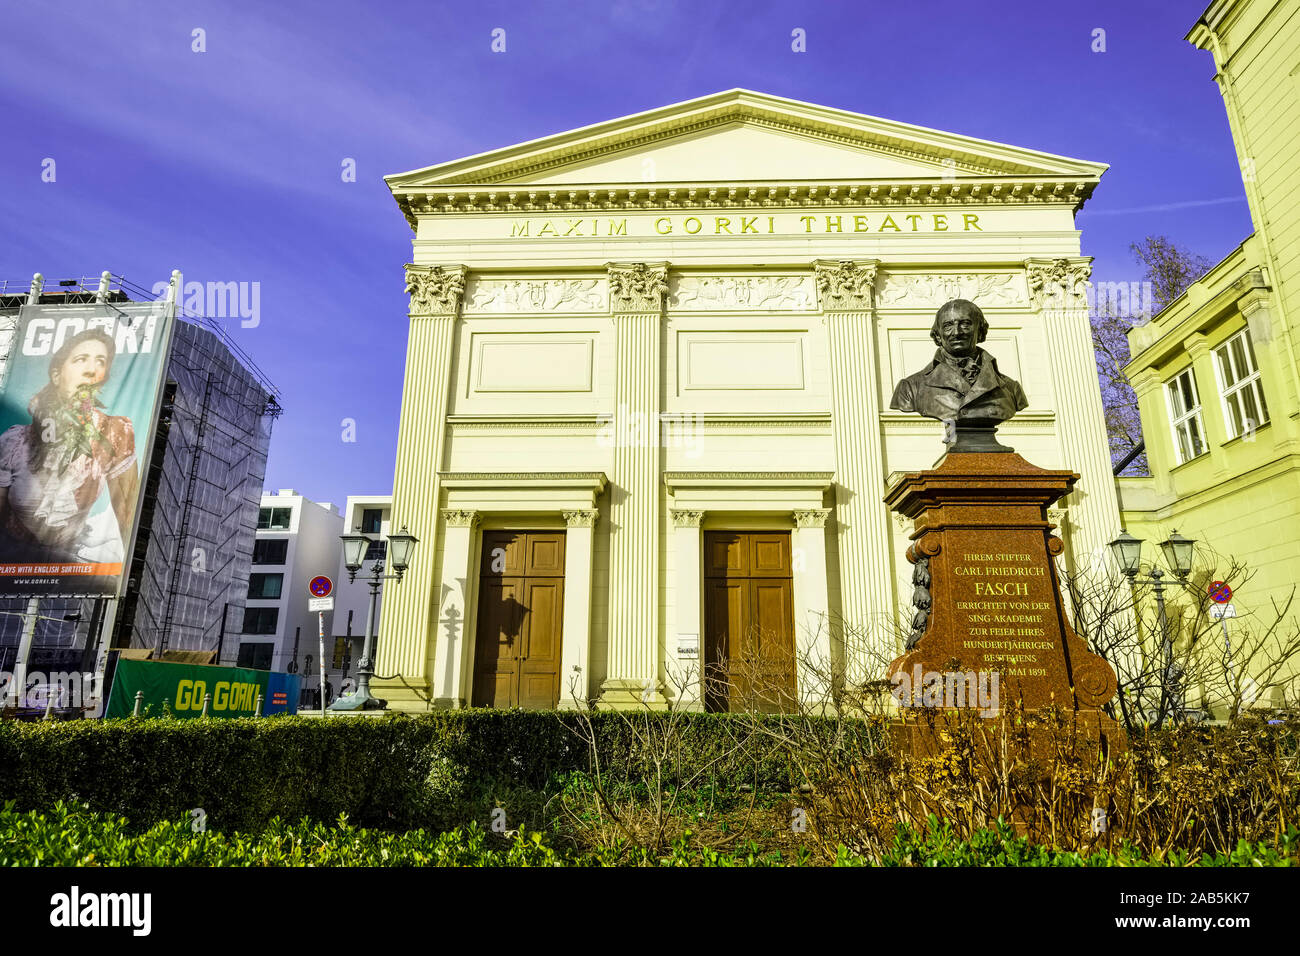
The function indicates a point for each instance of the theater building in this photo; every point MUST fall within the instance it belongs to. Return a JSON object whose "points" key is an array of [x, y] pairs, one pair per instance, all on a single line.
{"points": [[645, 426]]}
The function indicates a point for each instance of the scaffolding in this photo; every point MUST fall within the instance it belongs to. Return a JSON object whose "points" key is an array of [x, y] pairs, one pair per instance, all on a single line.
{"points": [[188, 575]]}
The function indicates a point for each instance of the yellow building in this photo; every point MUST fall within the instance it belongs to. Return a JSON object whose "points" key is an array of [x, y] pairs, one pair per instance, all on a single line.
{"points": [[646, 404], [1216, 371]]}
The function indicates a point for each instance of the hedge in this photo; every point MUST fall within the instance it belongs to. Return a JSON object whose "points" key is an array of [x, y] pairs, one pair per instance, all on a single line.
{"points": [[394, 771]]}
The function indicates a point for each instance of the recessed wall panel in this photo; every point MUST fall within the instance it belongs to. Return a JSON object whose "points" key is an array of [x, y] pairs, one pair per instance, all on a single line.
{"points": [[722, 361], [531, 362]]}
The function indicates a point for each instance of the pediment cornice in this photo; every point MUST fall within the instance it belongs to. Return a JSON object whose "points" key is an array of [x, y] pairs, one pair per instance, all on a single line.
{"points": [[950, 167], [722, 196], [626, 140]]}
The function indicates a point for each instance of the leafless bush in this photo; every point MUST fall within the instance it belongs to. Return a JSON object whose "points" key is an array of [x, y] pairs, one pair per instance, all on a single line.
{"points": [[1159, 658], [610, 812]]}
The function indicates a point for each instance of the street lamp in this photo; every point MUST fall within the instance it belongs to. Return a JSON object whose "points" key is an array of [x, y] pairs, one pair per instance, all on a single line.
{"points": [[354, 551], [1178, 552], [401, 548], [1128, 552]]}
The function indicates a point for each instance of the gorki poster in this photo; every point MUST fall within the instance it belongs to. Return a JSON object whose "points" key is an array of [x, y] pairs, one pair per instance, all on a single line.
{"points": [[78, 405]]}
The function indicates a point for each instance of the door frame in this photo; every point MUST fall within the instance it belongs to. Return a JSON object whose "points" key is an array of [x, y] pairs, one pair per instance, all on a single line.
{"points": [[503, 501], [794, 501]]}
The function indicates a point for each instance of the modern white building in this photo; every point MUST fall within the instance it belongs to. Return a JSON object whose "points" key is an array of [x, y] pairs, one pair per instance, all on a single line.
{"points": [[368, 514], [297, 539]]}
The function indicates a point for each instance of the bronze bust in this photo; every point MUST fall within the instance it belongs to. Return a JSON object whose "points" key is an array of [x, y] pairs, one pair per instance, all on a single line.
{"points": [[962, 387]]}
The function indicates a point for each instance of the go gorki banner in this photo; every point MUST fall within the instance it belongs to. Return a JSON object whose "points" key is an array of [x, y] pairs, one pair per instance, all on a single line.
{"points": [[179, 690]]}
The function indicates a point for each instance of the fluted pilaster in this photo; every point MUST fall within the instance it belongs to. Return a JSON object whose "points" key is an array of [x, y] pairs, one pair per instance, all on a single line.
{"points": [[1058, 289], [846, 291], [637, 298], [408, 617]]}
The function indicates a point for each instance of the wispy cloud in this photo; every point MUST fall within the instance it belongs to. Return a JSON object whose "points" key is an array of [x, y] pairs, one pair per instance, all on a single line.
{"points": [[1163, 207], [266, 104]]}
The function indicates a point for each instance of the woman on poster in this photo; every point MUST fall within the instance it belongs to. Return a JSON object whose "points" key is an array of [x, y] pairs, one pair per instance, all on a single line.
{"points": [[54, 471]]}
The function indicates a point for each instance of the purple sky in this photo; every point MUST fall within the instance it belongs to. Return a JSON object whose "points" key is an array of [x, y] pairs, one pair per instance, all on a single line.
{"points": [[226, 164]]}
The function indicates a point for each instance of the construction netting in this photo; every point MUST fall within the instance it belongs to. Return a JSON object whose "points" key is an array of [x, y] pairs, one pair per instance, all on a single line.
{"points": [[188, 577]]}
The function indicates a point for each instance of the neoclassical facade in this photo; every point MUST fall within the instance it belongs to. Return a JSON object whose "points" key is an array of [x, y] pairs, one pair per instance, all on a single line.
{"points": [[645, 426]]}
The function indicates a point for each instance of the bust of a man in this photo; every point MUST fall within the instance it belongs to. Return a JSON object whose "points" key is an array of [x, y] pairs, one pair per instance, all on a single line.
{"points": [[962, 385]]}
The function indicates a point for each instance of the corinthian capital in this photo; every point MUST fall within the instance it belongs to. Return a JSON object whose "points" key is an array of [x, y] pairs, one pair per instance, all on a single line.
{"points": [[435, 290], [811, 518], [460, 518], [687, 519], [1058, 283], [585, 518], [846, 285], [637, 286]]}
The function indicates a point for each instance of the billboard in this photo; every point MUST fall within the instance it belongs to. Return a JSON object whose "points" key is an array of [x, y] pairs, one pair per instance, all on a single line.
{"points": [[78, 406], [178, 690]]}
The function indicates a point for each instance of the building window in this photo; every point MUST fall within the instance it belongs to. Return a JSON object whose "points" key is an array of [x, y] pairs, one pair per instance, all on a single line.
{"points": [[261, 620], [372, 520], [270, 550], [265, 585], [376, 550], [256, 656], [276, 519], [342, 652], [1244, 408], [1185, 416]]}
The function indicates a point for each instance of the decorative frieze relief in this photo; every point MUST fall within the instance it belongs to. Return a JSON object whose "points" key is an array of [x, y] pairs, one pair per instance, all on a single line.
{"points": [[1029, 191], [536, 295], [637, 286], [434, 290], [846, 285], [670, 476], [930, 290], [1058, 283], [770, 293], [507, 476]]}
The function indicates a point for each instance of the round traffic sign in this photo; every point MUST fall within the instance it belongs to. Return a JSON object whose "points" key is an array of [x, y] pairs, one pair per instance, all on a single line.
{"points": [[320, 586], [1220, 593]]}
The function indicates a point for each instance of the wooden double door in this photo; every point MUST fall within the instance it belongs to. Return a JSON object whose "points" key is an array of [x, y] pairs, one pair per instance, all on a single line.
{"points": [[749, 659], [520, 620]]}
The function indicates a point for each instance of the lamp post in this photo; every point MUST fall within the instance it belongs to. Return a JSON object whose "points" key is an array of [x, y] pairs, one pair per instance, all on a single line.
{"points": [[1178, 552], [401, 547]]}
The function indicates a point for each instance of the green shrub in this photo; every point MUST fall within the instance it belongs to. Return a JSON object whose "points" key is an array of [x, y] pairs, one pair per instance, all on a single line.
{"points": [[69, 835], [72, 836], [935, 845]]}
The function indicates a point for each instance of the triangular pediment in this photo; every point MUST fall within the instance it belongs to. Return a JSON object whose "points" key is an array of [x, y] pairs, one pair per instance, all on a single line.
{"points": [[740, 136], [737, 151]]}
